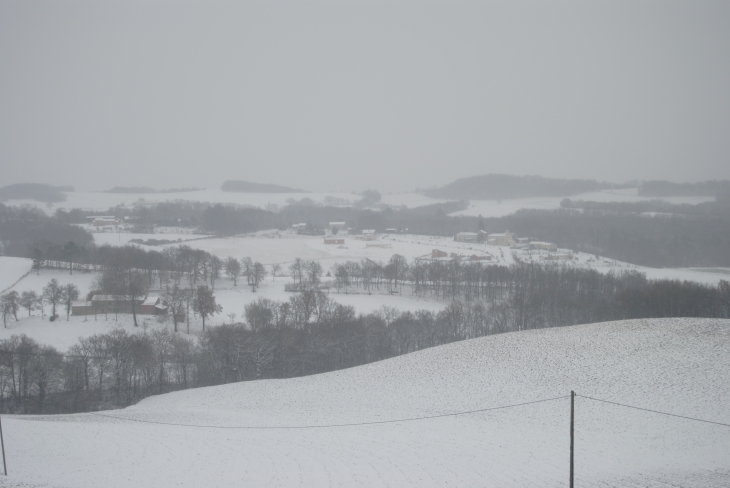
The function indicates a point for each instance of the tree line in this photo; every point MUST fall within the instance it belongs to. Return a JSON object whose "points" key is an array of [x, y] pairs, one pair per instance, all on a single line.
{"points": [[696, 236], [311, 333]]}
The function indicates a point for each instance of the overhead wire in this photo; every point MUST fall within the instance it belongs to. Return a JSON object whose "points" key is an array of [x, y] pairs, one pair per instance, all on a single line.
{"points": [[653, 411], [353, 424]]}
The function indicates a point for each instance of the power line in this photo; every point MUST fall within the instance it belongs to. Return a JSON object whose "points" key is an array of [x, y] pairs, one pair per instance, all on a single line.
{"points": [[266, 427], [654, 411]]}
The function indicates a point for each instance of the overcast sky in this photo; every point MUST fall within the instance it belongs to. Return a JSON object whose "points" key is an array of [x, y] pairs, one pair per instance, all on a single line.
{"points": [[350, 95]]}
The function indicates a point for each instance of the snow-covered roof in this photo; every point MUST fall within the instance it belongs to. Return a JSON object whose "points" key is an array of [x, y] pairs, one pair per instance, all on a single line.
{"points": [[151, 301], [467, 234]]}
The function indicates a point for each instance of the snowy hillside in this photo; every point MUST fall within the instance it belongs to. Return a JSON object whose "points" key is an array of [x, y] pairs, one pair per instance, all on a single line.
{"points": [[675, 365], [12, 270]]}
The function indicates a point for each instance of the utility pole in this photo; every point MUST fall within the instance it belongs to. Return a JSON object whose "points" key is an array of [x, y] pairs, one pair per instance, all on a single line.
{"points": [[572, 422], [2, 443]]}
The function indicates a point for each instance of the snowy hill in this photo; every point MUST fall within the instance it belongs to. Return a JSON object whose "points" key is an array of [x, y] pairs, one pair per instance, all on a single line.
{"points": [[672, 365], [12, 270]]}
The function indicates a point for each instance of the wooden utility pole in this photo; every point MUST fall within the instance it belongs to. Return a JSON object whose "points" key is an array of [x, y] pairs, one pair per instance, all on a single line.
{"points": [[572, 422], [2, 443]]}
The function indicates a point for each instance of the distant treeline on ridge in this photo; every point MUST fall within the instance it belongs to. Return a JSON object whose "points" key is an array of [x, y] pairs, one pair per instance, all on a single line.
{"points": [[147, 189], [34, 191], [250, 187], [500, 187]]}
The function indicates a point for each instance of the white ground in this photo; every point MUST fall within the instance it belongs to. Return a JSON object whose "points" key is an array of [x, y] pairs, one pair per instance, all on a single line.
{"points": [[12, 270], [494, 208], [283, 248], [673, 365], [64, 333]]}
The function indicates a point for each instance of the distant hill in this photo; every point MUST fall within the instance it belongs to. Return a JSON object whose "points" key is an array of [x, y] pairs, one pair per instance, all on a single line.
{"points": [[711, 188], [250, 187], [147, 189], [502, 187], [34, 191]]}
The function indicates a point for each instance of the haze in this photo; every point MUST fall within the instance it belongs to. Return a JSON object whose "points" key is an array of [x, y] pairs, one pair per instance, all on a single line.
{"points": [[355, 95]]}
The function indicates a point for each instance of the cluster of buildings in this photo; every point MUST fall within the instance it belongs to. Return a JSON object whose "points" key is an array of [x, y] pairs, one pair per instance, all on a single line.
{"points": [[439, 255], [505, 239], [102, 223]]}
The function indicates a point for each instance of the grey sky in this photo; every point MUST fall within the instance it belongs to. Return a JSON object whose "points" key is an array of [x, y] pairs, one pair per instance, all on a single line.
{"points": [[351, 95]]}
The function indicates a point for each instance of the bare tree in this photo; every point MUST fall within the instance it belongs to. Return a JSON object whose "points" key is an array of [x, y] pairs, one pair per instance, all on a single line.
{"points": [[258, 274], [29, 301], [69, 294], [52, 293], [176, 299], [233, 269], [205, 303], [275, 270], [314, 271], [247, 269], [10, 305]]}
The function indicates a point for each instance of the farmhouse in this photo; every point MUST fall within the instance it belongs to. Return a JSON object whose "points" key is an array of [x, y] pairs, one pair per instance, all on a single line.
{"points": [[152, 306], [466, 237], [100, 304], [298, 227], [544, 246], [501, 239], [334, 240], [104, 221], [368, 235]]}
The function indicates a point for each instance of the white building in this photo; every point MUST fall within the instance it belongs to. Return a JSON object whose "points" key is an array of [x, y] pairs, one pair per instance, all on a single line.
{"points": [[501, 239], [544, 246], [466, 237]]}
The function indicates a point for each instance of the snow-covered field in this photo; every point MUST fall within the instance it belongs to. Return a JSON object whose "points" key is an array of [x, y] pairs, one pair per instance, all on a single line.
{"points": [[284, 248], [495, 208], [252, 434], [64, 333], [12, 270]]}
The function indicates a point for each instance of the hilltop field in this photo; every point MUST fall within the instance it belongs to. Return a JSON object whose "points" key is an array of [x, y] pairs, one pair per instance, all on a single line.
{"points": [[274, 432]]}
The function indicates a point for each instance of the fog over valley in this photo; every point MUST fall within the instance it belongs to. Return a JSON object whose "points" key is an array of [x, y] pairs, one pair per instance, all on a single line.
{"points": [[364, 244]]}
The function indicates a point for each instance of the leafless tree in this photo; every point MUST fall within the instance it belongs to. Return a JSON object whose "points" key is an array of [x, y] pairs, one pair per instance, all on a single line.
{"points": [[233, 269], [52, 293], [69, 294], [29, 301], [205, 304]]}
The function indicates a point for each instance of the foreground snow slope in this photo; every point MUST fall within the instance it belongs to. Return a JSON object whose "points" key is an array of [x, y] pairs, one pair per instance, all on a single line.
{"points": [[675, 365]]}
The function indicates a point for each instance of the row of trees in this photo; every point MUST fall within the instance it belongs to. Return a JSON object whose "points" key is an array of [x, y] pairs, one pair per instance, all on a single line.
{"points": [[54, 294], [311, 333]]}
